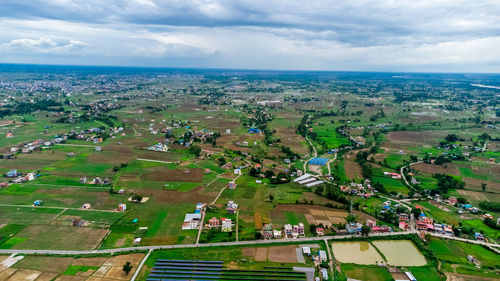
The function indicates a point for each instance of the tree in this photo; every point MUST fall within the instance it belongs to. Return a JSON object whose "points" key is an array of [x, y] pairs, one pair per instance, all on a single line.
{"points": [[127, 267], [350, 218], [222, 161], [269, 174], [365, 230], [483, 186], [137, 198], [451, 138], [416, 212], [195, 150]]}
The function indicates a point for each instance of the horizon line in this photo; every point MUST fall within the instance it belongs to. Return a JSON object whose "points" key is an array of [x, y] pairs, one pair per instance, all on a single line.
{"points": [[244, 69]]}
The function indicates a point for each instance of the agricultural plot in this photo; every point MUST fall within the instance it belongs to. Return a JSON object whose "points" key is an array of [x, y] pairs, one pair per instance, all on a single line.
{"points": [[69, 268], [457, 252], [68, 237]]}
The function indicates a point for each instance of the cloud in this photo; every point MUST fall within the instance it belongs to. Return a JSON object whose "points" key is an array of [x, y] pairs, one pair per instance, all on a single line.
{"points": [[42, 45], [444, 35]]}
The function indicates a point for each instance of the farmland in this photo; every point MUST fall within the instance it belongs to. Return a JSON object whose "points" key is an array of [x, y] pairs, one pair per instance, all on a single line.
{"points": [[155, 158]]}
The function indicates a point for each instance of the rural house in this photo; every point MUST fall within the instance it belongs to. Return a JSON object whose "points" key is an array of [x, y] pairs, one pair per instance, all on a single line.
{"points": [[231, 207]]}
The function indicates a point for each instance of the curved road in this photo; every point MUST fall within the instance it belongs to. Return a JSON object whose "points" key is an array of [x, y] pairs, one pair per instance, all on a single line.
{"points": [[403, 175], [315, 154]]}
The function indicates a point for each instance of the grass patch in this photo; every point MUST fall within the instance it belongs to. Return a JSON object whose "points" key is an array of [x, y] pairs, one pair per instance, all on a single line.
{"points": [[74, 269]]}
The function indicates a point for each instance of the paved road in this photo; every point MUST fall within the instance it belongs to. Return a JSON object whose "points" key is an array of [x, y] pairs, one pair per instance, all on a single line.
{"points": [[239, 243], [136, 273]]}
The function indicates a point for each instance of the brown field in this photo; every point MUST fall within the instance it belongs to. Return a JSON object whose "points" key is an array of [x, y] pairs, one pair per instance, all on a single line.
{"points": [[474, 195], [4, 274], [71, 278], [25, 274], [352, 169], [116, 273], [416, 137], [194, 195], [89, 261], [179, 175], [46, 268], [448, 169], [282, 254], [476, 184], [47, 276], [314, 214], [46, 264], [111, 157], [67, 237], [379, 157], [289, 138], [261, 254], [362, 217], [155, 155], [249, 252]]}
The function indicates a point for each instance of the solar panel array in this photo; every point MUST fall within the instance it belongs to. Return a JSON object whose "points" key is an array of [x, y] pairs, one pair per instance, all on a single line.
{"points": [[213, 270], [318, 161]]}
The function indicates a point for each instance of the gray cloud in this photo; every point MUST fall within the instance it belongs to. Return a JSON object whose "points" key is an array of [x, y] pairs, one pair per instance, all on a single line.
{"points": [[321, 34]]}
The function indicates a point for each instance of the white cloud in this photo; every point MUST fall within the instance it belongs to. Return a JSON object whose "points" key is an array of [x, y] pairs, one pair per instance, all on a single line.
{"points": [[42, 45]]}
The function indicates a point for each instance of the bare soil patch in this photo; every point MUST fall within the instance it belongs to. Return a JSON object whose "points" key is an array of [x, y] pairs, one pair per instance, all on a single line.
{"points": [[120, 260], [194, 195], [48, 264], [4, 274], [352, 169], [111, 157], [476, 184], [89, 261], [177, 175], [70, 278], [261, 254], [249, 252], [289, 138], [379, 157], [416, 137], [283, 254], [67, 237], [47, 276], [362, 217], [473, 194], [25, 274], [448, 169], [117, 273], [156, 155]]}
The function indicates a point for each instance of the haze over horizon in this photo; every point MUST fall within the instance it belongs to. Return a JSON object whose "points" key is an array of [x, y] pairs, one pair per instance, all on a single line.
{"points": [[409, 36]]}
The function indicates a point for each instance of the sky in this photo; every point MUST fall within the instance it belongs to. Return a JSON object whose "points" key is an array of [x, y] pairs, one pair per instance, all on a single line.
{"points": [[379, 35]]}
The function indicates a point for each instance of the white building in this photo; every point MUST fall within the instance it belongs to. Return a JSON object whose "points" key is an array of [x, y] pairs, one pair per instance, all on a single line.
{"points": [[322, 256], [324, 273], [191, 221]]}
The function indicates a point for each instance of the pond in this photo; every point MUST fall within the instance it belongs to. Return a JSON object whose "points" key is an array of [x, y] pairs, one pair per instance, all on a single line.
{"points": [[397, 252], [400, 252], [356, 252]]}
